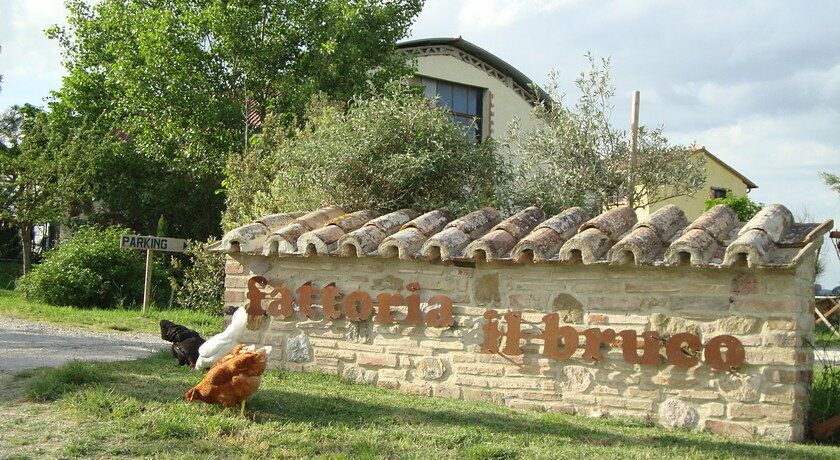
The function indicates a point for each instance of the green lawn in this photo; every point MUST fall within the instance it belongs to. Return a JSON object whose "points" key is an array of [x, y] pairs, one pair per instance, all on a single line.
{"points": [[136, 409], [824, 336], [13, 305]]}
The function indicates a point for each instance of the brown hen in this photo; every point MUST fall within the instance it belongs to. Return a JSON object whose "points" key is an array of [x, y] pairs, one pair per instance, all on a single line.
{"points": [[232, 379]]}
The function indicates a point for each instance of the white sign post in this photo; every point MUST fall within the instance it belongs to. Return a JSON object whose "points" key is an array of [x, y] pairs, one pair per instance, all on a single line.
{"points": [[150, 244]]}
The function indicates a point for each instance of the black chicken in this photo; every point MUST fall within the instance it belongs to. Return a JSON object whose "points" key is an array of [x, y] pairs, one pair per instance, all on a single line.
{"points": [[185, 342]]}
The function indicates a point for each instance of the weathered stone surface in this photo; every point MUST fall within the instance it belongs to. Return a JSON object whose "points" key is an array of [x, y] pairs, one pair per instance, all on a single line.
{"points": [[744, 284], [575, 379], [431, 368], [665, 222], [743, 388], [678, 414], [670, 325], [487, 289], [716, 222], [521, 223], [357, 331], [359, 375], [298, 348], [476, 223], [738, 325], [587, 246]]}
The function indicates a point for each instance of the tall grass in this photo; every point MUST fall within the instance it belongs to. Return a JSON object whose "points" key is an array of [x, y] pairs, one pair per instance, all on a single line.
{"points": [[51, 384]]}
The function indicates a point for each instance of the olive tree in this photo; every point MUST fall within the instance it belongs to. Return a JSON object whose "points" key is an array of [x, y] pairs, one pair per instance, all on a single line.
{"points": [[390, 151], [576, 157]]}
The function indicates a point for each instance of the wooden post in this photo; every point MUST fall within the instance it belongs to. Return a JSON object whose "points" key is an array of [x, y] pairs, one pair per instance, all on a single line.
{"points": [[147, 287], [634, 146]]}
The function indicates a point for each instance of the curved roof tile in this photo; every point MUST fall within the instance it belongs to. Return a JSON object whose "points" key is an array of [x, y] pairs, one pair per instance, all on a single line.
{"points": [[716, 238]]}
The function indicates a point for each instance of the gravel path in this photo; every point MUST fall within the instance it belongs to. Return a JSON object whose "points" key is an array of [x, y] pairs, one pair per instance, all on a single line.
{"points": [[27, 345]]}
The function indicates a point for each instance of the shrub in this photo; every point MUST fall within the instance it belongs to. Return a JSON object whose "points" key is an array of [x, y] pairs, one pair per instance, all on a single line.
{"points": [[90, 270], [202, 287], [394, 150], [744, 207]]}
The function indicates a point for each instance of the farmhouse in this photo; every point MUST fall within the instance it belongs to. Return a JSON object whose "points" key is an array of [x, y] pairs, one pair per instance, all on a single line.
{"points": [[713, 316], [477, 85]]}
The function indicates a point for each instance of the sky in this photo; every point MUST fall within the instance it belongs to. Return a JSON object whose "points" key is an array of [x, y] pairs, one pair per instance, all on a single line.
{"points": [[756, 82]]}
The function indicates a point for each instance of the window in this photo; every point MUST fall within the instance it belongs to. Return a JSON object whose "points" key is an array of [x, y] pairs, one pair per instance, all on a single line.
{"points": [[463, 101], [718, 192]]}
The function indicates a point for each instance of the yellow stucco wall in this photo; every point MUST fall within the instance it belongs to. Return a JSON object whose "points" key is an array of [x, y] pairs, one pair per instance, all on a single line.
{"points": [[716, 176], [506, 103]]}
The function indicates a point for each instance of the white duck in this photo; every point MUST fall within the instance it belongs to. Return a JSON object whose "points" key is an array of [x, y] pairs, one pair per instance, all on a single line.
{"points": [[221, 344]]}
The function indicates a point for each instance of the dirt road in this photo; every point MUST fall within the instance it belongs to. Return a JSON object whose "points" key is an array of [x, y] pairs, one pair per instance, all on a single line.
{"points": [[27, 345]]}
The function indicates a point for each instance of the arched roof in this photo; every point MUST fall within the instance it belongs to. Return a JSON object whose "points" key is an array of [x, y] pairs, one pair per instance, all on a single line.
{"points": [[527, 88]]}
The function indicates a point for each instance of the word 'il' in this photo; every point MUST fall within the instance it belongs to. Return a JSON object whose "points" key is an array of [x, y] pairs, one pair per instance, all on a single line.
{"points": [[560, 342], [355, 306]]}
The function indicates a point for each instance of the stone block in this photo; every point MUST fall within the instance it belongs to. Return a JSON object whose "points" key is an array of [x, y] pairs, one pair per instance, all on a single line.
{"points": [[679, 414], [731, 429], [431, 368], [380, 360]]}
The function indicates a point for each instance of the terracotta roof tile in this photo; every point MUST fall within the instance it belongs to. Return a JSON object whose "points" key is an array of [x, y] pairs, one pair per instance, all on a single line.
{"points": [[716, 238]]}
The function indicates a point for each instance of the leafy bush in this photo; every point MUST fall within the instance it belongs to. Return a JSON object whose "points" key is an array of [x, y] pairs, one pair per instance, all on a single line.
{"points": [[204, 274], [90, 270], [394, 150], [744, 207]]}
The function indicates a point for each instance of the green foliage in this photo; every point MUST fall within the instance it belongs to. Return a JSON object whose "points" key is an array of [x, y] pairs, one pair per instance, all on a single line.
{"points": [[51, 384], [825, 394], [576, 157], [744, 207], [391, 151], [10, 270], [831, 180], [202, 287], [90, 270], [161, 87]]}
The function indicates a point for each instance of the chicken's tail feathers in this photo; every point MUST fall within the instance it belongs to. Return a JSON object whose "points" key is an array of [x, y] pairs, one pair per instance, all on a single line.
{"points": [[240, 318], [265, 350]]}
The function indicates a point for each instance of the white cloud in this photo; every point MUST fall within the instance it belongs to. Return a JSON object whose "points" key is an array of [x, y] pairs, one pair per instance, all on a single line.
{"points": [[26, 50]]}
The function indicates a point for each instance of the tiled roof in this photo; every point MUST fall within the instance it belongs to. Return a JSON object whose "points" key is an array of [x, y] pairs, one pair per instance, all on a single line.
{"points": [[616, 237]]}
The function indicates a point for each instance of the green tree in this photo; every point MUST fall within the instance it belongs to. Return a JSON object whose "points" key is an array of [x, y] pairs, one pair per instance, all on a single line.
{"points": [[576, 157], [390, 151], [36, 180], [744, 207], [175, 80], [831, 180]]}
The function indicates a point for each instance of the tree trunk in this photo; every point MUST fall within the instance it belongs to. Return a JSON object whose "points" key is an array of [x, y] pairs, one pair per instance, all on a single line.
{"points": [[26, 246]]}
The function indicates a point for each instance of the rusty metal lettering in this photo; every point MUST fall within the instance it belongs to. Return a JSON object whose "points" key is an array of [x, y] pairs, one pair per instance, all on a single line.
{"points": [[305, 298], [677, 355], [282, 306], [650, 347], [442, 315], [330, 300], [384, 302], [594, 339], [683, 350], [734, 353], [357, 306], [255, 295], [554, 333], [413, 315], [491, 333]]}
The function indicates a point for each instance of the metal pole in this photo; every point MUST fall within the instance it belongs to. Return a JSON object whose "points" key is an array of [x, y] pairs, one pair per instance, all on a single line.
{"points": [[147, 287], [634, 146]]}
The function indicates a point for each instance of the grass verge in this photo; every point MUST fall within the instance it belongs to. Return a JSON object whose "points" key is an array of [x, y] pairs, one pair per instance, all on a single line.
{"points": [[13, 305], [136, 409]]}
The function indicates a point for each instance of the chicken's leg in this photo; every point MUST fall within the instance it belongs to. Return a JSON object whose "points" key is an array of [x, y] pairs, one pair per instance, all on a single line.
{"points": [[242, 409]]}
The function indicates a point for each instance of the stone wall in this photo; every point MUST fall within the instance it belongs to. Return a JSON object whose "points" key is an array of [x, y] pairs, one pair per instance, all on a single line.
{"points": [[768, 310]]}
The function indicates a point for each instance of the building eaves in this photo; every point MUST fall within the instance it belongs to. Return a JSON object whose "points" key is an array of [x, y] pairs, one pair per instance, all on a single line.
{"points": [[750, 184], [480, 53]]}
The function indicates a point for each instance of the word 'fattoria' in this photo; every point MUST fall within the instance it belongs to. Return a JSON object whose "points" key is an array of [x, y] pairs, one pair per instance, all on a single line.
{"points": [[355, 306]]}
